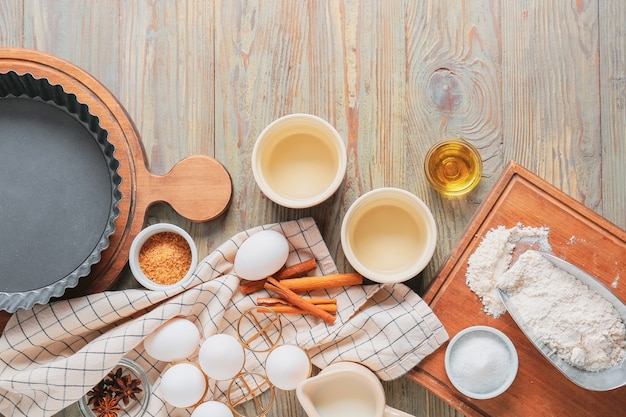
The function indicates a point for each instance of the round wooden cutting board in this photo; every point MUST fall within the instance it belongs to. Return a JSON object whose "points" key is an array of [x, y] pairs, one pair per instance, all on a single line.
{"points": [[198, 188]]}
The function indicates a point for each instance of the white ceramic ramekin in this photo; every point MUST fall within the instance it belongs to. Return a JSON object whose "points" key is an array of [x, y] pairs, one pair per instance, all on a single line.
{"points": [[140, 240], [299, 160], [388, 235], [485, 369]]}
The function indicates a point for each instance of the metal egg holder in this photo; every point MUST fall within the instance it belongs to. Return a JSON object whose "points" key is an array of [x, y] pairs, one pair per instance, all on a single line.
{"points": [[256, 337], [259, 330]]}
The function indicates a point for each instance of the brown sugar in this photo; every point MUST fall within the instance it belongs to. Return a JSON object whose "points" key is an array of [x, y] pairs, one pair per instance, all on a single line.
{"points": [[165, 258]]}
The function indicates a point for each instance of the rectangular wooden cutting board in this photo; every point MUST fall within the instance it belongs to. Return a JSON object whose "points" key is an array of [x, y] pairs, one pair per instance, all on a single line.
{"points": [[578, 235]]}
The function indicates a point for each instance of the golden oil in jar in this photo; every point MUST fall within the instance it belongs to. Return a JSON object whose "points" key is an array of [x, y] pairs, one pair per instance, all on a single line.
{"points": [[453, 167]]}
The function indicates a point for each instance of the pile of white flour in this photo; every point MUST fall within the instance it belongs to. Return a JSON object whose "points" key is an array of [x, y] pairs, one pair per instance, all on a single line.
{"points": [[577, 323], [582, 327], [492, 258]]}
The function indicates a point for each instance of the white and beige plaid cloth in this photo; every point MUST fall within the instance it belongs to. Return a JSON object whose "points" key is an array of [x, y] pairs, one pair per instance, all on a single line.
{"points": [[52, 355]]}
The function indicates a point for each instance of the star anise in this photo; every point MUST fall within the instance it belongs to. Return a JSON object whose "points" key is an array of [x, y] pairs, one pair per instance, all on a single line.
{"points": [[126, 388], [107, 406], [117, 388], [114, 375], [97, 392]]}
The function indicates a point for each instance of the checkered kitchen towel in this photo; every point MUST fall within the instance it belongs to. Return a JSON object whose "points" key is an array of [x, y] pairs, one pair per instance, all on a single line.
{"points": [[52, 355]]}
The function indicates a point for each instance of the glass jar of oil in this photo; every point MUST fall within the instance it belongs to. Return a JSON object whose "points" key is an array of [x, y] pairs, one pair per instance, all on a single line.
{"points": [[453, 167]]}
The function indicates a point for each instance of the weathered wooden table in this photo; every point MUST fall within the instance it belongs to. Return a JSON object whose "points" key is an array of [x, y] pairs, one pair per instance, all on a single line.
{"points": [[541, 83]]}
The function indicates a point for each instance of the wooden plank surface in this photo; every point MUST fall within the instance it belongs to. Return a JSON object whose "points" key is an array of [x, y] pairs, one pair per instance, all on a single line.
{"points": [[538, 82], [612, 41], [549, 57]]}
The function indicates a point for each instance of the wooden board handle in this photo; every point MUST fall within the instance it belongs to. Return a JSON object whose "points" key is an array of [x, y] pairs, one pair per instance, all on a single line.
{"points": [[199, 188]]}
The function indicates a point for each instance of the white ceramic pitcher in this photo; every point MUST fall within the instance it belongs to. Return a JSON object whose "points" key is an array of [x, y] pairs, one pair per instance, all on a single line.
{"points": [[345, 389]]}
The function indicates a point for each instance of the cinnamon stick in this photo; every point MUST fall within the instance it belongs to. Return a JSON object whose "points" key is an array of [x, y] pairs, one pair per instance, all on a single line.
{"points": [[297, 301], [296, 270], [321, 282], [265, 301], [288, 309], [293, 271], [248, 287]]}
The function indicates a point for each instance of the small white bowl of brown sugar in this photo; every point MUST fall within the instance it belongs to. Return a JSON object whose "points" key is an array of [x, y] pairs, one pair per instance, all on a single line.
{"points": [[163, 256]]}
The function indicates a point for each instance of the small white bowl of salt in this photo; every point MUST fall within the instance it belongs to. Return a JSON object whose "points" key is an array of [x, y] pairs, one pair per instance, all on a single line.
{"points": [[481, 362]]}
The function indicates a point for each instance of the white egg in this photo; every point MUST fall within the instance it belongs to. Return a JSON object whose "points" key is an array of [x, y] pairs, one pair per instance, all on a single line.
{"points": [[286, 366], [221, 357], [183, 385], [175, 340], [212, 409], [261, 255]]}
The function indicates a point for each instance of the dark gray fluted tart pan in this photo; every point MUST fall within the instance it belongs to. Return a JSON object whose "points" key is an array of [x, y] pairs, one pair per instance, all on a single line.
{"points": [[59, 191]]}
